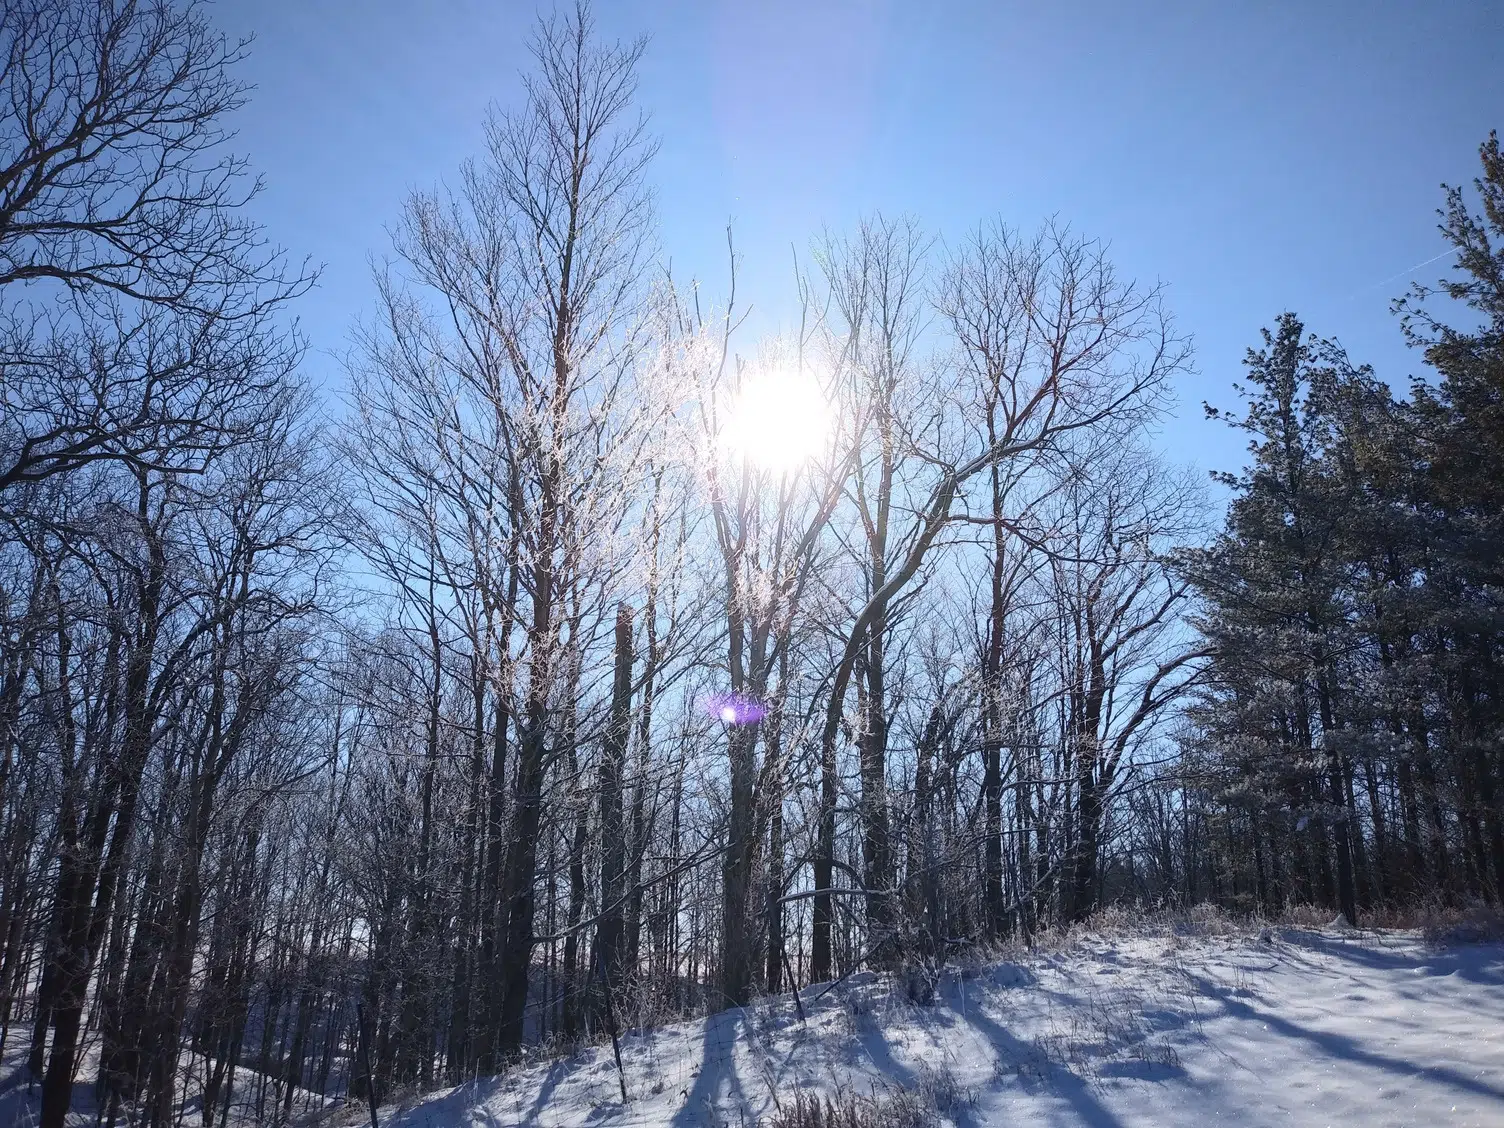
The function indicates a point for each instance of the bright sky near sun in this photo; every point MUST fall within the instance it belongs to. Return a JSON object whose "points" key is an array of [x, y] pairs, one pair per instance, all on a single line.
{"points": [[1257, 157], [777, 419]]}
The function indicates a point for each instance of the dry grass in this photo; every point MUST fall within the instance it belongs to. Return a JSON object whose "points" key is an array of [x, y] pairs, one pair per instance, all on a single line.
{"points": [[942, 1091], [1474, 924], [903, 1109], [936, 1093], [1105, 1026], [1439, 924]]}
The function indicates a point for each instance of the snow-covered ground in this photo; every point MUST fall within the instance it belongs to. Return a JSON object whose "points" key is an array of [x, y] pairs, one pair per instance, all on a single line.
{"points": [[21, 1098], [1308, 1027]]}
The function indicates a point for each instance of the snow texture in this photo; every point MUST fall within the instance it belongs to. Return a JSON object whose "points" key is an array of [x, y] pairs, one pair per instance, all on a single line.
{"points": [[1328, 1027], [1284, 1027]]}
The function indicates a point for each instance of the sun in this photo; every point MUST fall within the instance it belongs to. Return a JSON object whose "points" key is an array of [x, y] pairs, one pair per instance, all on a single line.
{"points": [[778, 420]]}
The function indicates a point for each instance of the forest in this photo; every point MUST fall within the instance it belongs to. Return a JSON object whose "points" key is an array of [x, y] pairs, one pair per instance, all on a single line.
{"points": [[576, 662]]}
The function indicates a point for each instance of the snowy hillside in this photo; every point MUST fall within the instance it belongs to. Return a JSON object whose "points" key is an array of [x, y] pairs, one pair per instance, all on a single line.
{"points": [[1290, 1027]]}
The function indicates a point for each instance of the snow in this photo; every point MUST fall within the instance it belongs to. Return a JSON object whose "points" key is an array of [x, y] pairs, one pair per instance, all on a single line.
{"points": [[20, 1097], [1128, 1028], [1286, 1027]]}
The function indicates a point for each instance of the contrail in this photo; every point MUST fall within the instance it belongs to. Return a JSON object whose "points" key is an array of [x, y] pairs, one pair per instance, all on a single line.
{"points": [[1401, 274]]}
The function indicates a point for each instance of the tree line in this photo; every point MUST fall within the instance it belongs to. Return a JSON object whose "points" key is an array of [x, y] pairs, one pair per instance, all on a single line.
{"points": [[351, 748], [1346, 741]]}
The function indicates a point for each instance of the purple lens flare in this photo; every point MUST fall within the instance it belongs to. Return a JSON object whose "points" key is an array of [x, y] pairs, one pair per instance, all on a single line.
{"points": [[736, 709]]}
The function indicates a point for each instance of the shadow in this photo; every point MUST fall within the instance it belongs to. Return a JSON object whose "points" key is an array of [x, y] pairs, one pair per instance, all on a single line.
{"points": [[485, 1118], [877, 1048], [717, 1067], [466, 1104], [1343, 1046], [1478, 963], [21, 1099], [875, 1045], [551, 1081], [1142, 1070], [1074, 1089], [1162, 1019], [1011, 975], [18, 1107]]}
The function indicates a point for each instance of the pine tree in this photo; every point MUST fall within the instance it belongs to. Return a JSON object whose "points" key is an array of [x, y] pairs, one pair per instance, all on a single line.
{"points": [[1280, 612]]}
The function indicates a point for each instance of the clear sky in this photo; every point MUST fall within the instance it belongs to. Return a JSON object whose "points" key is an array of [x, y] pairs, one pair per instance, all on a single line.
{"points": [[1256, 157]]}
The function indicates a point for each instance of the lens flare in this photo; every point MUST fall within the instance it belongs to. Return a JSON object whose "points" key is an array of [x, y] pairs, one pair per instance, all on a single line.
{"points": [[736, 709]]}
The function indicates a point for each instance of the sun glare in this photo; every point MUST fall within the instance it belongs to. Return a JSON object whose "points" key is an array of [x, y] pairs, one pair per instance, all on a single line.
{"points": [[778, 420]]}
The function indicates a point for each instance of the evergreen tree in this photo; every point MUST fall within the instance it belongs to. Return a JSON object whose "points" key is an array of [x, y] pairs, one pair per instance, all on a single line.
{"points": [[1459, 488], [1279, 607]]}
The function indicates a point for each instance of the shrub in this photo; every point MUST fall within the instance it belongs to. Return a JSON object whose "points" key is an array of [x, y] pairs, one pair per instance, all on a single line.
{"points": [[1476, 924]]}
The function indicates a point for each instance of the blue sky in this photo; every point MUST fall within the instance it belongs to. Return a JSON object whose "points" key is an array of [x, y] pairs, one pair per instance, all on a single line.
{"points": [[1256, 157]]}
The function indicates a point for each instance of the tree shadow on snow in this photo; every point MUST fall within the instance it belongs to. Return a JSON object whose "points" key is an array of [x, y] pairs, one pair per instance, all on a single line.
{"points": [[1345, 1047], [1135, 1070], [466, 1104], [874, 1044], [551, 1081], [21, 1099], [1476, 963], [1074, 1089], [1409, 970], [717, 1065], [877, 1048]]}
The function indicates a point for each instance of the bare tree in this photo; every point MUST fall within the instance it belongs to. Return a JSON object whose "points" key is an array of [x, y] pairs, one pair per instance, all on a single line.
{"points": [[121, 229], [876, 283], [508, 396], [1122, 652], [1048, 343]]}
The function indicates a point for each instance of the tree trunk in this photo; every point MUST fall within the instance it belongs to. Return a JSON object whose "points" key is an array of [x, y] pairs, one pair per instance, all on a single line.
{"points": [[609, 935]]}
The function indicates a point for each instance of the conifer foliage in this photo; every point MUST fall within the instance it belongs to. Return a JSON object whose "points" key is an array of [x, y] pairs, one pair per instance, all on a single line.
{"points": [[1351, 727]]}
